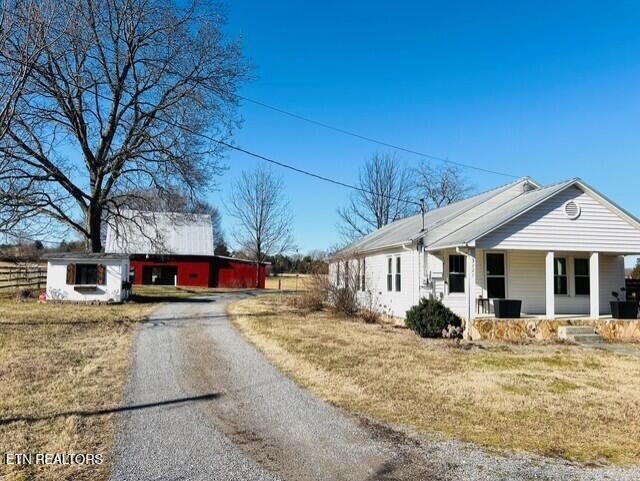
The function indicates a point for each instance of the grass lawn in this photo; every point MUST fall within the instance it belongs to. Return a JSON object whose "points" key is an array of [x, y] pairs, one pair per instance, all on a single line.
{"points": [[558, 400], [59, 364]]}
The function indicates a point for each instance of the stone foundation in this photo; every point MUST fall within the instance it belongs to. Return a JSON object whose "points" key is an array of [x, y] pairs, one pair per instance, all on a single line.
{"points": [[519, 330]]}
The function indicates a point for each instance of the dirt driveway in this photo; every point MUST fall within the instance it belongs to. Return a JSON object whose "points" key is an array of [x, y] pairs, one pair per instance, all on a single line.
{"points": [[203, 404]]}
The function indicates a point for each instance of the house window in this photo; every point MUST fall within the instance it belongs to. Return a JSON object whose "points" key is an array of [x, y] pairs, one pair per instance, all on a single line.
{"points": [[560, 276], [581, 272], [363, 281], [338, 274], [496, 285], [398, 275], [389, 274], [456, 273]]}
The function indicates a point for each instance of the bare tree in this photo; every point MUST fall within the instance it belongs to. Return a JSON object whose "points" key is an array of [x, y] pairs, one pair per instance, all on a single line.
{"points": [[262, 213], [385, 195], [440, 186], [117, 104], [24, 30]]}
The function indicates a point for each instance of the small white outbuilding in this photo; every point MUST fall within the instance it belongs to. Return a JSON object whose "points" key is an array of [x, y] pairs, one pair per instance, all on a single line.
{"points": [[87, 277]]}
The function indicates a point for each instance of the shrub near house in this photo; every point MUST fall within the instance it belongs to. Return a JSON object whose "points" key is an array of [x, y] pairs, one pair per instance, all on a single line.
{"points": [[431, 318]]}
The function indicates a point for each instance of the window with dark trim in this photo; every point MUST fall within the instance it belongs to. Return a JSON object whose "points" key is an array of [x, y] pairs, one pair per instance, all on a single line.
{"points": [[338, 273], [86, 274], [456, 273], [560, 276], [581, 274], [398, 274], [389, 274], [363, 272]]}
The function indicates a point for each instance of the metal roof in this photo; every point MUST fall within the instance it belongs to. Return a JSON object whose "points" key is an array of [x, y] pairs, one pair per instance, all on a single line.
{"points": [[161, 233], [461, 223], [84, 256]]}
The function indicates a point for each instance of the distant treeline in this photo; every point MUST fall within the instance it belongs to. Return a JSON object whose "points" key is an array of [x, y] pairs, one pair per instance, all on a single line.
{"points": [[312, 263]]}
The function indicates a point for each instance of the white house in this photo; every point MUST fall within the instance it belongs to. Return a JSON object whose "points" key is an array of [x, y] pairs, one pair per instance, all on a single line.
{"points": [[82, 277], [559, 249]]}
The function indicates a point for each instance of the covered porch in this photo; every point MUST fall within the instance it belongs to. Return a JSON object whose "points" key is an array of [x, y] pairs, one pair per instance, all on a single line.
{"points": [[550, 285], [566, 285]]}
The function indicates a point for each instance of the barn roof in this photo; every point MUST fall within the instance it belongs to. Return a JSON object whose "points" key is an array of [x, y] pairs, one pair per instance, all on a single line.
{"points": [[160, 233]]}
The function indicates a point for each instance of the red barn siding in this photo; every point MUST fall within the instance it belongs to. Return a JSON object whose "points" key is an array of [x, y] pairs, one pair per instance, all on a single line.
{"points": [[202, 271], [236, 273]]}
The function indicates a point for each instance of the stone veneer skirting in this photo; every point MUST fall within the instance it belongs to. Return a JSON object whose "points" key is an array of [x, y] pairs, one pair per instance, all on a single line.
{"points": [[519, 330]]}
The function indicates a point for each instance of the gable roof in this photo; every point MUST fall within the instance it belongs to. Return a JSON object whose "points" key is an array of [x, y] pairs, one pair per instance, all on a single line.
{"points": [[461, 223], [160, 233]]}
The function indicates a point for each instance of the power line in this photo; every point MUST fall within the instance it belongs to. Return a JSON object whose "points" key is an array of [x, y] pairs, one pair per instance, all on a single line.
{"points": [[371, 139], [299, 170], [282, 164]]}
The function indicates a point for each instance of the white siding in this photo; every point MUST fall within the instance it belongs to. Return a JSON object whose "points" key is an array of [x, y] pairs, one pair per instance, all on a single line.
{"points": [[546, 227], [392, 302], [526, 281], [376, 294], [59, 290]]}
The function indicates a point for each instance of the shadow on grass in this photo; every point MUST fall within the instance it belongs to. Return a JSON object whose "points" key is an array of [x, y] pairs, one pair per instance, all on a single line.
{"points": [[118, 409]]}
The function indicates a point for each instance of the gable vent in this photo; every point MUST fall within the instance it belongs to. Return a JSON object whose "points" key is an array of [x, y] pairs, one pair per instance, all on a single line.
{"points": [[572, 210]]}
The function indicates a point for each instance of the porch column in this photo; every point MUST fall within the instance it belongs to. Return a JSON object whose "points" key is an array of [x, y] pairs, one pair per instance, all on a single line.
{"points": [[470, 290], [594, 284], [549, 290]]}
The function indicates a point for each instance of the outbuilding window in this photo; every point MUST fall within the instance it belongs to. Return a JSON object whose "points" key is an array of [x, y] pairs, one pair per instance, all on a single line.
{"points": [[389, 274], [456, 273], [398, 275], [560, 276], [581, 273], [86, 274]]}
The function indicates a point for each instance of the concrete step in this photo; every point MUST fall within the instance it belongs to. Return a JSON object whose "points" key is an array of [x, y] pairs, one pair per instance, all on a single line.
{"points": [[585, 338], [579, 334], [565, 331]]}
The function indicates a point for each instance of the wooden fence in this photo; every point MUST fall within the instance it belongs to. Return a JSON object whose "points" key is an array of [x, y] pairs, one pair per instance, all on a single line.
{"points": [[19, 276]]}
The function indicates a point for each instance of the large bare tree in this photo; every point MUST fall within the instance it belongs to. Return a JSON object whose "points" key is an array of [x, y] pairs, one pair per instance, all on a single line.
{"points": [[440, 186], [262, 213], [385, 195], [118, 104], [24, 29]]}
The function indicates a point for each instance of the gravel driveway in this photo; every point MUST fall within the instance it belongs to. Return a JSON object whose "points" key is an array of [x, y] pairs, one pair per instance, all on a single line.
{"points": [[205, 405]]}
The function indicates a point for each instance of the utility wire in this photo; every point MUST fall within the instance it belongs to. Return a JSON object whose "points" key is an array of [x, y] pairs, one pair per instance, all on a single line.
{"points": [[371, 139], [282, 164], [293, 168]]}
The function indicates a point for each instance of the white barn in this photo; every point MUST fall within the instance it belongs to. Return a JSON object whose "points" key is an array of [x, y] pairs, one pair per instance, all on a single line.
{"points": [[85, 277], [559, 249]]}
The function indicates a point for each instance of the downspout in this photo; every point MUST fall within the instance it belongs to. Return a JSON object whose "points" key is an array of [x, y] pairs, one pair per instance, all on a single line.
{"points": [[466, 334]]}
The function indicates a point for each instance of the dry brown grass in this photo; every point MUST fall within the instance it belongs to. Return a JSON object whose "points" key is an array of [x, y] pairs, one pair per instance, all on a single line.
{"points": [[58, 364], [289, 282], [557, 400]]}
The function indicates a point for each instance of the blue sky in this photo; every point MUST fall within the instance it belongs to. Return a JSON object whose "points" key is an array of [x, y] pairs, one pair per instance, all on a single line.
{"points": [[545, 89]]}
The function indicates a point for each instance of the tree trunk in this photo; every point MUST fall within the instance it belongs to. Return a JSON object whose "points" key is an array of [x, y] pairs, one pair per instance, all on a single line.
{"points": [[94, 220]]}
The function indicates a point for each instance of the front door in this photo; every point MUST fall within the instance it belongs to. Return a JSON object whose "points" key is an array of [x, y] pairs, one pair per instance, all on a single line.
{"points": [[496, 282]]}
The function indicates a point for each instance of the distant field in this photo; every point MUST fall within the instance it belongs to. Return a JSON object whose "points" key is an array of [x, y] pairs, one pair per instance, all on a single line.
{"points": [[288, 282]]}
